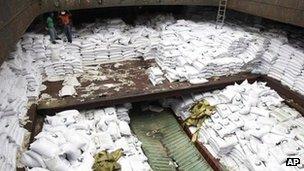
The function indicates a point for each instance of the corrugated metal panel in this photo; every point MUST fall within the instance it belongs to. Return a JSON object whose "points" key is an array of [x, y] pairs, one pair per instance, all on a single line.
{"points": [[165, 142]]}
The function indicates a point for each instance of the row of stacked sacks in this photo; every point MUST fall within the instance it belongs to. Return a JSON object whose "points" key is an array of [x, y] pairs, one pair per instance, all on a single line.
{"points": [[249, 127], [195, 51], [96, 43], [284, 62], [184, 49], [53, 60], [114, 40], [98, 139], [19, 87]]}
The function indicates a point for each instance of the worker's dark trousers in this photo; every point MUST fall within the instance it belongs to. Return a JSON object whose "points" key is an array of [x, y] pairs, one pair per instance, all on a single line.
{"points": [[68, 33], [53, 34]]}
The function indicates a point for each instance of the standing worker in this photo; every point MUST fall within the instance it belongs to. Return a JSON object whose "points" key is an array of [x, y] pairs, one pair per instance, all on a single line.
{"points": [[51, 28], [65, 19]]}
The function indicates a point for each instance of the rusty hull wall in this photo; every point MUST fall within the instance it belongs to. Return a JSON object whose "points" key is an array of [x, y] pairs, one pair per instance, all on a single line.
{"points": [[17, 15]]}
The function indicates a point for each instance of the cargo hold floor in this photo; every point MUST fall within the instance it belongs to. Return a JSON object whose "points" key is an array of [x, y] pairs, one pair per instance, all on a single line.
{"points": [[165, 143]]}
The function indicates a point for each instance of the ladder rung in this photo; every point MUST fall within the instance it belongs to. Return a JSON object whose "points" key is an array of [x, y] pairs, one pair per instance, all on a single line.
{"points": [[221, 12]]}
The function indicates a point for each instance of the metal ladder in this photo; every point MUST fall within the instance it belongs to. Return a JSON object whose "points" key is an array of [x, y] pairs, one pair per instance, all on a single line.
{"points": [[221, 14]]}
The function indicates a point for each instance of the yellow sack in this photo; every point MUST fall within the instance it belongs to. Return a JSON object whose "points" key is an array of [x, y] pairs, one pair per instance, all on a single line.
{"points": [[198, 112], [105, 161]]}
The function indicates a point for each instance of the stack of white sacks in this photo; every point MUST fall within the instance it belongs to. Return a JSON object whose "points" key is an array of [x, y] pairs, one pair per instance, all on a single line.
{"points": [[283, 62], [114, 41], [156, 76], [196, 51], [12, 107], [54, 61], [70, 139], [20, 84], [22, 65], [184, 50], [62, 61], [251, 129]]}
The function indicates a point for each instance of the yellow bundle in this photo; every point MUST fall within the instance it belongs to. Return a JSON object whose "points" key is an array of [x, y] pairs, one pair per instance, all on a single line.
{"points": [[105, 161], [199, 112]]}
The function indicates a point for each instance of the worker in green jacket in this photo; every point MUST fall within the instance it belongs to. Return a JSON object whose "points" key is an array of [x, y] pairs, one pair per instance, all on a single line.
{"points": [[51, 28]]}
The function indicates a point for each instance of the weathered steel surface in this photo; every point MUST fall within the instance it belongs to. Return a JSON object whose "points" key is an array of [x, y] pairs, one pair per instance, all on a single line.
{"points": [[133, 85], [14, 24], [30, 126], [16, 15], [9, 9], [291, 12]]}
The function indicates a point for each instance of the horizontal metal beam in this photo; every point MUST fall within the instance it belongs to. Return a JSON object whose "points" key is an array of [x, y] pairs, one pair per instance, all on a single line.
{"points": [[292, 98], [153, 93]]}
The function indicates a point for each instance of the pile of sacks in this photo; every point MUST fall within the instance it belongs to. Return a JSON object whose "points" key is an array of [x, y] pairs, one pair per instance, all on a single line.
{"points": [[184, 50], [284, 62], [156, 75], [196, 51], [53, 61], [69, 140], [101, 42], [61, 61], [113, 41], [23, 65], [20, 82], [20, 85], [251, 129], [12, 136]]}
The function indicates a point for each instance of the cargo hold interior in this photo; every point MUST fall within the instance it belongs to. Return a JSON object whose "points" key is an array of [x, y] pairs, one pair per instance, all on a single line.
{"points": [[185, 87]]}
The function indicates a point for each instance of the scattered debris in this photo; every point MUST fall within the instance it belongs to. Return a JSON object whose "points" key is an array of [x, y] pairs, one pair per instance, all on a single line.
{"points": [[45, 96], [67, 90]]}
